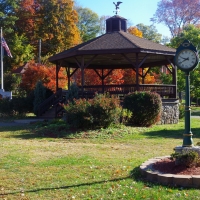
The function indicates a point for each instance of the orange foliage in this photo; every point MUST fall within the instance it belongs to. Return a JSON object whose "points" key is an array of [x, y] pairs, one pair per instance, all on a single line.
{"points": [[130, 77], [47, 75], [91, 77], [117, 76], [134, 31]]}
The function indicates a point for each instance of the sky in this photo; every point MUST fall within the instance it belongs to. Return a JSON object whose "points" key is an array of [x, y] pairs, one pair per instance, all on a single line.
{"points": [[135, 11]]}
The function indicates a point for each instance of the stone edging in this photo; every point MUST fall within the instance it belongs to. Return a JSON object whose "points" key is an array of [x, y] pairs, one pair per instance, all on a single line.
{"points": [[152, 175]]}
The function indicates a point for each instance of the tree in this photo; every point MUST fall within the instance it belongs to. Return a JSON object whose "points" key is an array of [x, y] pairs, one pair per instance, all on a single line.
{"points": [[135, 31], [130, 77], [39, 93], [11, 81], [22, 52], [88, 23], [8, 16], [91, 77], [103, 19], [149, 32], [47, 75], [177, 14], [53, 21], [190, 33]]}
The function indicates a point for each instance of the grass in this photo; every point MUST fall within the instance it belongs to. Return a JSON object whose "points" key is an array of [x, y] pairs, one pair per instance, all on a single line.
{"points": [[102, 164], [195, 111]]}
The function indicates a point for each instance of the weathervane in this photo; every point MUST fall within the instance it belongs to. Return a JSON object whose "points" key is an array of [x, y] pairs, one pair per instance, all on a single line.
{"points": [[117, 7]]}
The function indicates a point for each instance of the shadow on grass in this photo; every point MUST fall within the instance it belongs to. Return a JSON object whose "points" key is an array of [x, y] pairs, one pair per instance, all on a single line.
{"points": [[13, 127], [134, 174], [68, 186], [176, 134]]}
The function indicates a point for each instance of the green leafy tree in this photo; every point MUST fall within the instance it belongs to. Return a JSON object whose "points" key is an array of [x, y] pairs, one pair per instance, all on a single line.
{"points": [[88, 23], [190, 33], [11, 81], [8, 16], [21, 50], [149, 32]]}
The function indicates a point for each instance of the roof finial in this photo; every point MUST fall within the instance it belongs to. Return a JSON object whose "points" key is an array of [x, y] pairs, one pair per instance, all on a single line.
{"points": [[117, 7]]}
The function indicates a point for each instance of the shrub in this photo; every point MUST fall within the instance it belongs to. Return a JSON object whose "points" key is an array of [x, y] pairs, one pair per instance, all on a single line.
{"points": [[104, 110], [181, 111], [76, 113], [188, 159], [18, 106], [22, 105], [6, 107], [101, 111], [145, 108]]}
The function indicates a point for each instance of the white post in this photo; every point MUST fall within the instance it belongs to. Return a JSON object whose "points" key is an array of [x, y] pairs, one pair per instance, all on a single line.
{"points": [[1, 61]]}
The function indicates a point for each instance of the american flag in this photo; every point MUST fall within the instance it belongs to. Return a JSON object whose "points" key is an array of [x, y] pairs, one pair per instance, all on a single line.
{"points": [[5, 46]]}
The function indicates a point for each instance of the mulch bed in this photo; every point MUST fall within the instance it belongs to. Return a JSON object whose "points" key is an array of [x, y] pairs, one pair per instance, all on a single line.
{"points": [[168, 166]]}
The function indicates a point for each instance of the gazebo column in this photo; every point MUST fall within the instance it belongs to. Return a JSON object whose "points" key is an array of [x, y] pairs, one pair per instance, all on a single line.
{"points": [[174, 80], [82, 76], [137, 73], [143, 76], [57, 71], [174, 77], [102, 80], [68, 76], [136, 66]]}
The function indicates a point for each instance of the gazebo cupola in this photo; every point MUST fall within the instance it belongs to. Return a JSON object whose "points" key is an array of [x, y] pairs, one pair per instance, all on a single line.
{"points": [[116, 23]]}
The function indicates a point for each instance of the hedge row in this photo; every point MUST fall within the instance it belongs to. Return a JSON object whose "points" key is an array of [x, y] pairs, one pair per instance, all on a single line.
{"points": [[139, 109]]}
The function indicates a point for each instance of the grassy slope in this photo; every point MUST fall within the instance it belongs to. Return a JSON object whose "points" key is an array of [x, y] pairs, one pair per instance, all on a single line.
{"points": [[98, 167]]}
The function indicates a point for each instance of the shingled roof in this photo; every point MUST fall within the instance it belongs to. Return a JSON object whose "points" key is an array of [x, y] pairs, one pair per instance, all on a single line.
{"points": [[116, 41], [113, 42]]}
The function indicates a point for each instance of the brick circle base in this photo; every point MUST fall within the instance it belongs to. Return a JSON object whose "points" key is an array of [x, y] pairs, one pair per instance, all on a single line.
{"points": [[168, 179]]}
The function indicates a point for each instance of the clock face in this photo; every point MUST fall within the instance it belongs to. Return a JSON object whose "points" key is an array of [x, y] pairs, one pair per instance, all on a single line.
{"points": [[186, 59]]}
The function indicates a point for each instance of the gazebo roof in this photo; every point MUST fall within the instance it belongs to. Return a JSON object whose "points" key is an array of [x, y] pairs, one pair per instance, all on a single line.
{"points": [[111, 48]]}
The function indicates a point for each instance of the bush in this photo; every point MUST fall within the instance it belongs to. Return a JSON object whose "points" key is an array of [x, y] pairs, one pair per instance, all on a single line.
{"points": [[104, 110], [22, 105], [145, 107], [181, 111], [6, 107], [101, 111], [18, 106], [76, 113], [188, 159]]}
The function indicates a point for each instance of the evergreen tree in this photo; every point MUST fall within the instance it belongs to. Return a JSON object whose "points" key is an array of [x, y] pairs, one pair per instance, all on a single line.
{"points": [[39, 93]]}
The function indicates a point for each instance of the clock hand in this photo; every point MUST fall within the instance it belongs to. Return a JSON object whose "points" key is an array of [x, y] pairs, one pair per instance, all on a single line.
{"points": [[184, 60]]}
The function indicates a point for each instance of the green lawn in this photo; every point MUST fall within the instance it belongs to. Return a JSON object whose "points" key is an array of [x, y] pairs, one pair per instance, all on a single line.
{"points": [[101, 164]]}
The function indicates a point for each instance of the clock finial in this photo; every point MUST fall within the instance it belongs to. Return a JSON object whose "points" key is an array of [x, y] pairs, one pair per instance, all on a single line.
{"points": [[117, 6]]}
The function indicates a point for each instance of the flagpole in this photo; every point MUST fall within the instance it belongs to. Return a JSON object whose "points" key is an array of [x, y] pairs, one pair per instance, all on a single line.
{"points": [[1, 61]]}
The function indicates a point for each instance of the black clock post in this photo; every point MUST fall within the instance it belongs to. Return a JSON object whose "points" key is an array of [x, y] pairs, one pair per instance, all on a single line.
{"points": [[186, 59]]}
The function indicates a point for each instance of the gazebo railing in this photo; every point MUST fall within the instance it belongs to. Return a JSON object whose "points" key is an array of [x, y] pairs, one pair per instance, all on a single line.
{"points": [[163, 90]]}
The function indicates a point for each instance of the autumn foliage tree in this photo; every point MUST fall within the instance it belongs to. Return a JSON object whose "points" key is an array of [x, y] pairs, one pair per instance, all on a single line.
{"points": [[92, 78], [53, 21], [176, 14], [47, 75], [130, 77], [135, 31]]}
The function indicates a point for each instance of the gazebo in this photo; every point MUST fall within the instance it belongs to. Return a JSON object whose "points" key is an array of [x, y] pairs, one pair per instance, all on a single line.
{"points": [[117, 49]]}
